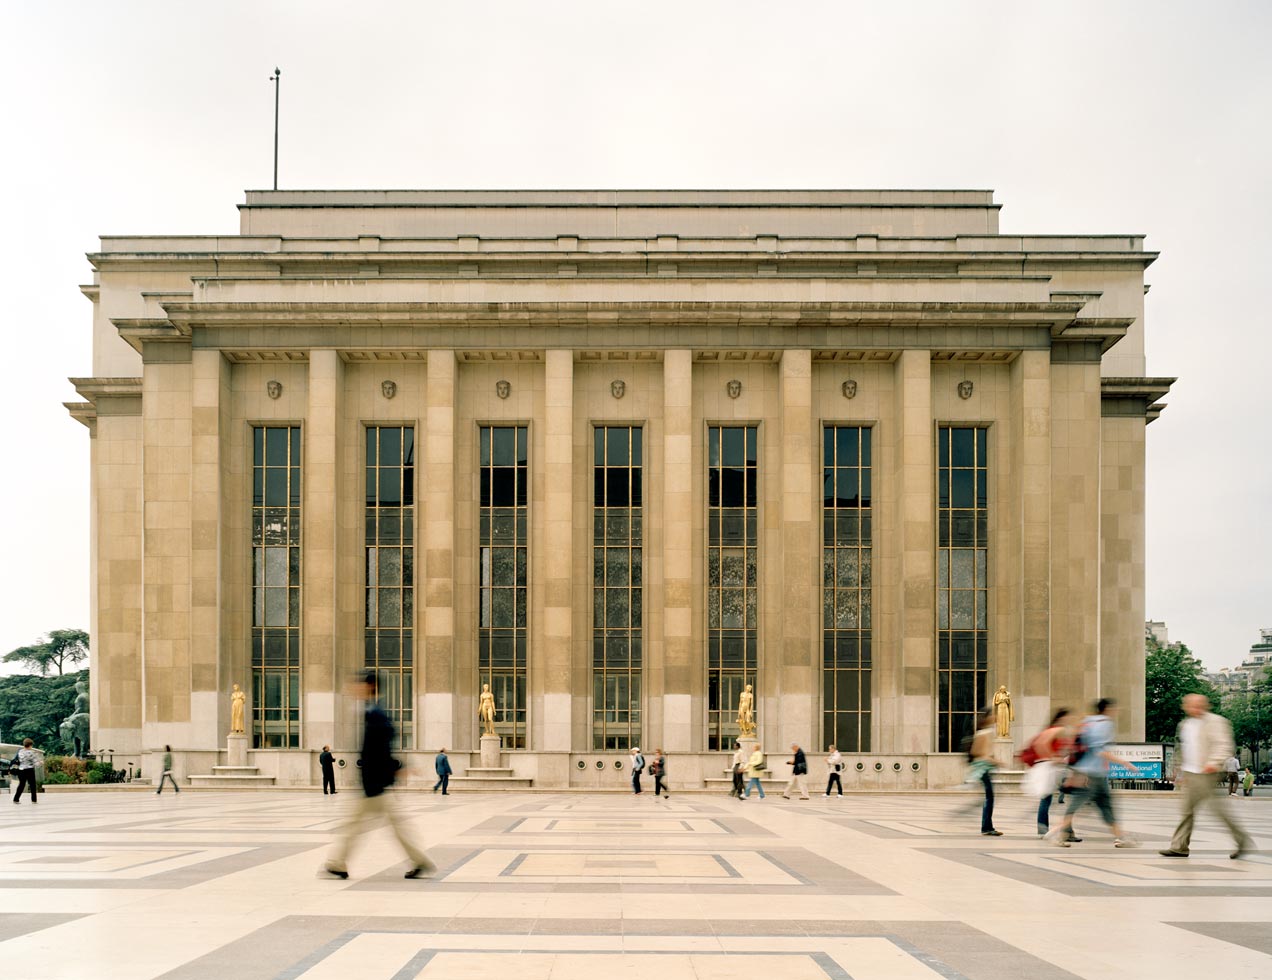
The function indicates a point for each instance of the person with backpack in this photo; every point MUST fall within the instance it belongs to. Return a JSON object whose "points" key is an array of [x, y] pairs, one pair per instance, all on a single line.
{"points": [[638, 766], [755, 767], [1089, 780], [25, 762], [1046, 756]]}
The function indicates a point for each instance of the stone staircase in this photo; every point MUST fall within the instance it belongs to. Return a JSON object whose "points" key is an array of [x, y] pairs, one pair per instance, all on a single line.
{"points": [[232, 777], [489, 779]]}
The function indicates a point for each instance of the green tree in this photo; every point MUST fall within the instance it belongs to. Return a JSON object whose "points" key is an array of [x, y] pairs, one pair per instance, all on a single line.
{"points": [[1170, 672], [62, 649], [1250, 712], [33, 707]]}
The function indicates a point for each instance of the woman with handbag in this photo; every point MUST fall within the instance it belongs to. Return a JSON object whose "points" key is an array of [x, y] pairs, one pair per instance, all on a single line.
{"points": [[1051, 749], [834, 766]]}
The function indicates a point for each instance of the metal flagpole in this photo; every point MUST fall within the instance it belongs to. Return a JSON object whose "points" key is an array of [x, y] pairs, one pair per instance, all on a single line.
{"points": [[275, 78]]}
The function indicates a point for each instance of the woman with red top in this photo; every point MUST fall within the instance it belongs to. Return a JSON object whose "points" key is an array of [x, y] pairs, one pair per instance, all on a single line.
{"points": [[1053, 745]]}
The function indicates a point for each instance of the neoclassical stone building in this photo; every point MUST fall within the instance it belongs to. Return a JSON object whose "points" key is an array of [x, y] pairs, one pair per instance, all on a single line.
{"points": [[616, 454]]}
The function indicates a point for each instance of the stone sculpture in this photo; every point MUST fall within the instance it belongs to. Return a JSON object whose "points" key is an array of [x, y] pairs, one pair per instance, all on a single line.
{"points": [[237, 700], [746, 712], [486, 709], [1003, 712], [74, 729]]}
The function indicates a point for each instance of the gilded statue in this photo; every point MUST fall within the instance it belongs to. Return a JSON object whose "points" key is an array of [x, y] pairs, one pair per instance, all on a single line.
{"points": [[746, 712], [1003, 712], [486, 709], [237, 701]]}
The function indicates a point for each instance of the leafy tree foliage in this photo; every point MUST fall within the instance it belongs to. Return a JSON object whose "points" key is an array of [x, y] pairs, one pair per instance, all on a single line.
{"points": [[1250, 712], [1170, 672], [32, 707], [62, 649]]}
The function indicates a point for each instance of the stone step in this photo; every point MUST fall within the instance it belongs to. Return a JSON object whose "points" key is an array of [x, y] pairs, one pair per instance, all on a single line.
{"points": [[232, 782], [489, 784], [487, 773], [236, 770]]}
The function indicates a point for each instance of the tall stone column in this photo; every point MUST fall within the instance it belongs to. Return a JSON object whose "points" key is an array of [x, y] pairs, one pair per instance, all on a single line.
{"points": [[1030, 566], [166, 545], [678, 551], [1075, 528], [1122, 561], [800, 654], [917, 536], [436, 702], [210, 387], [558, 560], [319, 523]]}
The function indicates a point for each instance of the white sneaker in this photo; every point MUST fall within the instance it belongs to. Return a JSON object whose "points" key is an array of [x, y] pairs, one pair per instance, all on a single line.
{"points": [[1126, 842]]}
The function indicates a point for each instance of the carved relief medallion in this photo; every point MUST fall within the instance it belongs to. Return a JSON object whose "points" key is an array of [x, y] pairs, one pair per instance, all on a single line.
{"points": [[618, 388], [503, 388], [274, 389], [734, 388], [964, 390], [388, 388], [849, 388]]}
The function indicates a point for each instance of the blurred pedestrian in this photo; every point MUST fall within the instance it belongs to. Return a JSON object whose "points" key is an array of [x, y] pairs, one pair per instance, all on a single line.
{"points": [[327, 762], [1204, 740], [981, 769], [834, 766], [442, 766], [739, 770], [799, 769], [658, 769], [1088, 780], [379, 771], [755, 766], [1051, 748], [166, 772], [1247, 782], [638, 766]]}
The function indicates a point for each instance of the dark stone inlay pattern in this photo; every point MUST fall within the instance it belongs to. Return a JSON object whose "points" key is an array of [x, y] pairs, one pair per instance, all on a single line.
{"points": [[14, 924], [285, 949], [1074, 884], [1252, 935]]}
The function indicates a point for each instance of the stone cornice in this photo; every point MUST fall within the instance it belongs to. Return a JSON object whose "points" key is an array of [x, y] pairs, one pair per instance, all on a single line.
{"points": [[104, 397], [1134, 397]]}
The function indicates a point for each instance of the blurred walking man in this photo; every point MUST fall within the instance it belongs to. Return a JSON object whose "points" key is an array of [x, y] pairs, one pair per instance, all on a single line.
{"points": [[1205, 741], [379, 769]]}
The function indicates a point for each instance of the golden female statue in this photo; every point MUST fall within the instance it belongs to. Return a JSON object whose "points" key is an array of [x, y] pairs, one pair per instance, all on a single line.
{"points": [[1003, 712], [746, 712], [237, 700], [486, 709]]}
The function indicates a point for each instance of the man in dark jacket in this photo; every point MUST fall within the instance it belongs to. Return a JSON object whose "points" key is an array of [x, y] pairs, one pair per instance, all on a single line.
{"points": [[441, 765], [328, 763], [799, 768], [379, 769]]}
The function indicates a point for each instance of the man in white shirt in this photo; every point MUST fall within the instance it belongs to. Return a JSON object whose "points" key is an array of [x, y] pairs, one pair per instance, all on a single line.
{"points": [[1232, 767], [1205, 741]]}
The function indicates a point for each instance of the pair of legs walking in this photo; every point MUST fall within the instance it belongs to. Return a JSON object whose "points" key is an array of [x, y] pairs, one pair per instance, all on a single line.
{"points": [[796, 782], [172, 779], [371, 808], [26, 778], [833, 782], [443, 783], [1199, 791], [754, 781]]}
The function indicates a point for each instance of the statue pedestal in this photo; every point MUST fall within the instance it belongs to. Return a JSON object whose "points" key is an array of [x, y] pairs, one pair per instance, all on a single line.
{"points": [[490, 754], [236, 749], [1004, 753], [749, 744]]}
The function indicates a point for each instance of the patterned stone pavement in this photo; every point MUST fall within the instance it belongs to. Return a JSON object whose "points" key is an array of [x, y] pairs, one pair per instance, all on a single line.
{"points": [[570, 886]]}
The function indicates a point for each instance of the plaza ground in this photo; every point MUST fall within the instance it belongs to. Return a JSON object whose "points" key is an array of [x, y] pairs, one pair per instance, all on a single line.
{"points": [[118, 885]]}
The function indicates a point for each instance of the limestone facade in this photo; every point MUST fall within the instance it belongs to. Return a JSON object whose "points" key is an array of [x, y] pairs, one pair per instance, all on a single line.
{"points": [[901, 312]]}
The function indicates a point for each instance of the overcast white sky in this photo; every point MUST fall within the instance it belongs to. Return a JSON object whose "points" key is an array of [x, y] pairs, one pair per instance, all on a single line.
{"points": [[152, 118]]}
